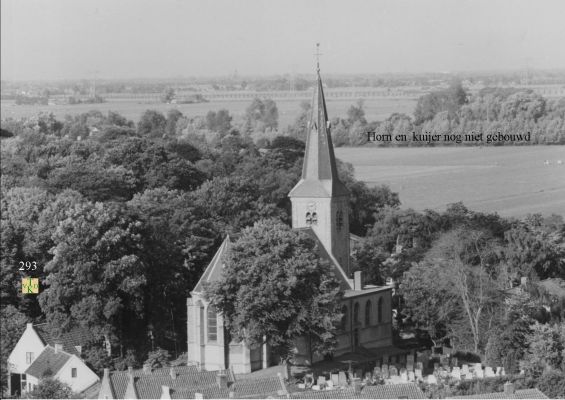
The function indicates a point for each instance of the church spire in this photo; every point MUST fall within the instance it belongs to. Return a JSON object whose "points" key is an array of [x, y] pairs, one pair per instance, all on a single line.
{"points": [[319, 171]]}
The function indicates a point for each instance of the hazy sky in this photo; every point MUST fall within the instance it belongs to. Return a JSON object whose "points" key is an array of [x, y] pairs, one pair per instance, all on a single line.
{"points": [[54, 39]]}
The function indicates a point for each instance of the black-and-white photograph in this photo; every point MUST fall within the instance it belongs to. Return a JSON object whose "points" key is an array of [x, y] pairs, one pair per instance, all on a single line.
{"points": [[282, 199]]}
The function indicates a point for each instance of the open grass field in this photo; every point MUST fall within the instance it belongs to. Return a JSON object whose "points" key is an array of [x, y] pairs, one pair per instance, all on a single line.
{"points": [[375, 109], [511, 180]]}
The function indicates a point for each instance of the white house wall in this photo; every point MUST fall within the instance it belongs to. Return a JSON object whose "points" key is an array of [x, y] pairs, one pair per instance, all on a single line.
{"points": [[85, 376], [29, 342]]}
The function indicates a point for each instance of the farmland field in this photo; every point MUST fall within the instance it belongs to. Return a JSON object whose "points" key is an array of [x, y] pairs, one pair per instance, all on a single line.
{"points": [[375, 109], [511, 180]]}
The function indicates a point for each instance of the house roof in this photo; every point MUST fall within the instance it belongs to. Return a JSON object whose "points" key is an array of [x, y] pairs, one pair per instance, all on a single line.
{"points": [[188, 381], [402, 390], [77, 336], [518, 394], [148, 384], [49, 362]]}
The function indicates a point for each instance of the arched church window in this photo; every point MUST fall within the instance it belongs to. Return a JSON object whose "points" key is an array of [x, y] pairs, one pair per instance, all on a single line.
{"points": [[343, 323], [308, 218], [380, 310], [314, 219], [339, 219], [368, 313], [212, 324], [356, 314]]}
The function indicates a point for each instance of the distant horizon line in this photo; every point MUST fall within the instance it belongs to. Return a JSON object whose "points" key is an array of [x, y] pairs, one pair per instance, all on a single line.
{"points": [[286, 74]]}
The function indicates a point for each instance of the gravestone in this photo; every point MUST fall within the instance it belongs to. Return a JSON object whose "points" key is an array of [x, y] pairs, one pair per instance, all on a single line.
{"points": [[404, 375], [489, 373], [385, 371], [315, 387], [392, 371], [465, 369], [368, 376], [411, 376], [479, 372], [432, 380], [456, 373], [330, 384], [444, 360], [418, 373], [342, 379], [420, 365], [321, 380], [335, 379], [377, 372]]}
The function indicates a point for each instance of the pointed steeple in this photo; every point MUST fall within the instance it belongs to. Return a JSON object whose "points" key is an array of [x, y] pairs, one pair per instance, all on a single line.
{"points": [[319, 171]]}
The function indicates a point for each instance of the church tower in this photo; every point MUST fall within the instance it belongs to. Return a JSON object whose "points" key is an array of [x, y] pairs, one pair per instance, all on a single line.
{"points": [[320, 200]]}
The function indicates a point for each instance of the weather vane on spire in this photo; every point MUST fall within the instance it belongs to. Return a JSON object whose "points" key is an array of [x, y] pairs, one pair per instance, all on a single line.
{"points": [[318, 54]]}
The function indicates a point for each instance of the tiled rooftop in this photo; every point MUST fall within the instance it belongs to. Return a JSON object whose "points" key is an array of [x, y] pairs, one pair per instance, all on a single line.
{"points": [[188, 381], [149, 384], [77, 336], [404, 390], [518, 394], [49, 362]]}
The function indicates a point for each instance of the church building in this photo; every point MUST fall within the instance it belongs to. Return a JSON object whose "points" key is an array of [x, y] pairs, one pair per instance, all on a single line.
{"points": [[320, 207]]}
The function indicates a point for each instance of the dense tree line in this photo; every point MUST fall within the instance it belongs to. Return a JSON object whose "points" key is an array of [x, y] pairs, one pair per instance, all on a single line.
{"points": [[455, 111], [454, 271]]}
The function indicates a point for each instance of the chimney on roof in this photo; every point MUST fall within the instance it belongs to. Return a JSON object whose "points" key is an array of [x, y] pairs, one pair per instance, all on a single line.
{"points": [[222, 380], [147, 368], [173, 373], [509, 388], [357, 386], [58, 347], [165, 392], [358, 280], [131, 389], [29, 325]]}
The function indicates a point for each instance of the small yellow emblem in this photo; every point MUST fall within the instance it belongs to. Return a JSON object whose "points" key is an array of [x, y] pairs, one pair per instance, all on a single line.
{"points": [[30, 285]]}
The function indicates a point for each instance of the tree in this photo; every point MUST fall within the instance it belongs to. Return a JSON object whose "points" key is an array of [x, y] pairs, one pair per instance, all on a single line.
{"points": [[51, 388], [271, 267], [262, 115], [168, 96], [98, 275], [233, 202], [219, 121], [356, 113], [158, 358], [429, 301], [468, 256], [152, 124], [552, 384], [171, 126], [546, 351]]}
